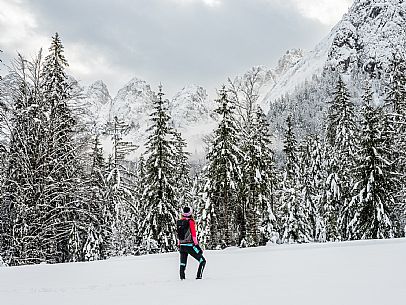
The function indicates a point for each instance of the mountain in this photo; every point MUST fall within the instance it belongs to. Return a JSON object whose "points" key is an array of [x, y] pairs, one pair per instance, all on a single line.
{"points": [[359, 47], [191, 111], [351, 273], [98, 103], [362, 42]]}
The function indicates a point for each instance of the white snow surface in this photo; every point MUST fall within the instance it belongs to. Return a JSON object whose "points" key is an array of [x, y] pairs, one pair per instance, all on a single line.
{"points": [[362, 272]]}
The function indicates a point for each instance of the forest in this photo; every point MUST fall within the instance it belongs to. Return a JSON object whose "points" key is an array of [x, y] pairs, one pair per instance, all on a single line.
{"points": [[62, 200]]}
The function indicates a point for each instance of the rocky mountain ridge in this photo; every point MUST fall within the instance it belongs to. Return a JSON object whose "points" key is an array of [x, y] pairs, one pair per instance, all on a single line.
{"points": [[362, 43]]}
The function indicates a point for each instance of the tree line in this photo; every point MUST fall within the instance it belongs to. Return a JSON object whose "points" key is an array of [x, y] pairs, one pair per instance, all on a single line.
{"points": [[61, 201]]}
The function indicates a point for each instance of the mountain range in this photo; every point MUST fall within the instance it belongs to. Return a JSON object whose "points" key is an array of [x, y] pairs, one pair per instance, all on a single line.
{"points": [[359, 47]]}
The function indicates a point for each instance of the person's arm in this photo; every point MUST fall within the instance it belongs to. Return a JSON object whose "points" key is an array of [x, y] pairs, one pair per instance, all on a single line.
{"points": [[193, 231]]}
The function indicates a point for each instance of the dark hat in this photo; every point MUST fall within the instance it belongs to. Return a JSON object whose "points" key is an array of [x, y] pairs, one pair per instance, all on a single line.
{"points": [[187, 211]]}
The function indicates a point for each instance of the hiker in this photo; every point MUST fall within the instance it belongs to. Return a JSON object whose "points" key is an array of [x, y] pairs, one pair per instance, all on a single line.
{"points": [[188, 243]]}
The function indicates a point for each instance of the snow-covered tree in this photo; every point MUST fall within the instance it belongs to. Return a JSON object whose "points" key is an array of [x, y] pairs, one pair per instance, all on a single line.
{"points": [[395, 110], [256, 222], [61, 171], [159, 198], [258, 183], [223, 176], [182, 176], [373, 201], [23, 233], [296, 223], [341, 137], [312, 175], [100, 208]]}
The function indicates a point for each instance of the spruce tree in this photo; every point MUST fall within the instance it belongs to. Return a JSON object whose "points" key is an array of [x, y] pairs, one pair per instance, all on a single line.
{"points": [[61, 171], [183, 182], [159, 199], [312, 176], [258, 182], [98, 243], [341, 137], [395, 112], [23, 233], [223, 176], [296, 226], [373, 201]]}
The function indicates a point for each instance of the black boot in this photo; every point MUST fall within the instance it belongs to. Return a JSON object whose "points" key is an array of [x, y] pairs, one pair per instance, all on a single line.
{"points": [[201, 269], [182, 272]]}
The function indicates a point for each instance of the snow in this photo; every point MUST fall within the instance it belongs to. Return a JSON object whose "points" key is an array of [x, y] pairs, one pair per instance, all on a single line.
{"points": [[362, 272]]}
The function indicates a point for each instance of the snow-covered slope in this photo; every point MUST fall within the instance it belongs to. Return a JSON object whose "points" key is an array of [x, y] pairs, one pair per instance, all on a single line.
{"points": [[98, 103], [364, 40], [361, 43], [350, 273], [133, 105], [191, 111]]}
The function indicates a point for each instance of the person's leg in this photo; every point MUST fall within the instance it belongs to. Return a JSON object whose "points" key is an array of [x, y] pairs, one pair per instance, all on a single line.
{"points": [[183, 262], [197, 253]]}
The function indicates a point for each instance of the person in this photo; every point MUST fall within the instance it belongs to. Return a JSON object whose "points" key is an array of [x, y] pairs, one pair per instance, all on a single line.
{"points": [[188, 243]]}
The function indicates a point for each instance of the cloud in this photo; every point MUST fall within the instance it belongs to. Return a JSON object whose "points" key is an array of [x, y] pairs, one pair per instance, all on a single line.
{"points": [[210, 3], [326, 11], [195, 41], [19, 28]]}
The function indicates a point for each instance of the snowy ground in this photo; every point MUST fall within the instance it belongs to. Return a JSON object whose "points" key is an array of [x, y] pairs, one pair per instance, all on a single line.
{"points": [[366, 272]]}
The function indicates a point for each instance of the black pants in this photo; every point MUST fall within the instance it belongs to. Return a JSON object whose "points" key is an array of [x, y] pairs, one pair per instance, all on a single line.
{"points": [[197, 253]]}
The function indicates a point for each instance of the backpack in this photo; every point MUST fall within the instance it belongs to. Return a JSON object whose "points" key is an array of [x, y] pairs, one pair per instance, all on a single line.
{"points": [[183, 230]]}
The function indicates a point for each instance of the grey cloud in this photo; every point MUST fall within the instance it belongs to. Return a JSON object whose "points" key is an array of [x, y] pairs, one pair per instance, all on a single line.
{"points": [[179, 44]]}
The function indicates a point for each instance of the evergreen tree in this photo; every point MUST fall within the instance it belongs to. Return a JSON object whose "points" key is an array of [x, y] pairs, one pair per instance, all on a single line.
{"points": [[341, 137], [295, 217], [257, 184], [159, 199], [395, 106], [98, 244], [23, 235], [223, 176], [373, 201], [65, 213], [183, 183], [312, 175], [125, 229]]}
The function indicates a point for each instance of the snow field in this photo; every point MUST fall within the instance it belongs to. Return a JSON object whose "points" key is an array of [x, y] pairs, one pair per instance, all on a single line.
{"points": [[364, 272]]}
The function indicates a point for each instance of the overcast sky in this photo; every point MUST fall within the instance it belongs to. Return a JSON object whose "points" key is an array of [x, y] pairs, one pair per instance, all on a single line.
{"points": [[176, 42]]}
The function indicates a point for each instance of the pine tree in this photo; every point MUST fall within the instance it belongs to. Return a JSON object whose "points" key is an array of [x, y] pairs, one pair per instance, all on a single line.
{"points": [[125, 229], [395, 106], [223, 175], [64, 210], [159, 199], [183, 183], [373, 201], [98, 243], [257, 184], [312, 175], [23, 235], [341, 137], [295, 217]]}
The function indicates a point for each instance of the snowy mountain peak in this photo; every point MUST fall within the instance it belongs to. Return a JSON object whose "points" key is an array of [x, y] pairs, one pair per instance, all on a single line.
{"points": [[190, 105], [288, 60], [136, 82], [364, 40], [367, 36], [98, 91], [133, 98]]}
